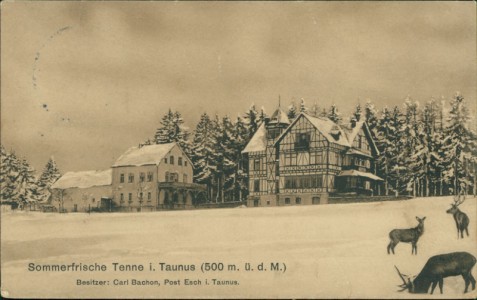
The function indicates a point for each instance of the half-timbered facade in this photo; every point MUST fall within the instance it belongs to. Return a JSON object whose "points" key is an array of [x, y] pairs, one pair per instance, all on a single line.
{"points": [[305, 161]]}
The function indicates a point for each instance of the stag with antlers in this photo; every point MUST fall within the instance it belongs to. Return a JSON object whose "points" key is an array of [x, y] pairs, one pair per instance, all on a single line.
{"points": [[436, 269], [460, 218], [410, 235]]}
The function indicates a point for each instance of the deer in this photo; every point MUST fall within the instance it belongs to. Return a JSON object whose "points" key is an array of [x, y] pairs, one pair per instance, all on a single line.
{"points": [[460, 218], [410, 235], [436, 269]]}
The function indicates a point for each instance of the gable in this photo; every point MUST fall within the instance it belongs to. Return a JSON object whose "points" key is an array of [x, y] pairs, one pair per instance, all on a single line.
{"points": [[327, 128]]}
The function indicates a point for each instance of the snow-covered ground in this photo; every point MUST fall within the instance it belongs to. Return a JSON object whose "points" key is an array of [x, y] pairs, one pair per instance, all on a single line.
{"points": [[330, 251]]}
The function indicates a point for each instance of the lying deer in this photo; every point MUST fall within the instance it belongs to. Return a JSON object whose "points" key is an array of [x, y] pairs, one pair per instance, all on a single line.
{"points": [[461, 219], [437, 268], [410, 235]]}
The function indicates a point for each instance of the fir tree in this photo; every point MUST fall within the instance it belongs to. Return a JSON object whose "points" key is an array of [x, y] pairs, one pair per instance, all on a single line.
{"points": [[10, 171], [292, 111], [202, 151], [357, 113], [459, 144], [303, 108], [334, 115], [251, 117], [49, 176], [26, 183], [314, 111], [172, 130]]}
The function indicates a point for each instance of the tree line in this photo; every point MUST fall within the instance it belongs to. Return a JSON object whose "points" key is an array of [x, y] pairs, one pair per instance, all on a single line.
{"points": [[424, 151], [18, 184]]}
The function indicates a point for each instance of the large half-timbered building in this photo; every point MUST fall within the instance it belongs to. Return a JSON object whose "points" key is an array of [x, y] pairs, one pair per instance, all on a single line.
{"points": [[304, 161]]}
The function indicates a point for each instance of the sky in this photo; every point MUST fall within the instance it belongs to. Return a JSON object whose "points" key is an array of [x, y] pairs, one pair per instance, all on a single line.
{"points": [[85, 81]]}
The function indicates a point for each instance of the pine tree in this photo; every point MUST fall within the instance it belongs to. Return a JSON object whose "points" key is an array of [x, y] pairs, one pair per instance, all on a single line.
{"points": [[314, 111], [172, 130], [251, 117], [239, 141], [49, 176], [202, 152], [303, 108], [459, 145], [10, 170], [262, 116], [334, 115], [357, 113], [292, 111], [410, 144], [26, 183], [388, 142], [370, 115]]}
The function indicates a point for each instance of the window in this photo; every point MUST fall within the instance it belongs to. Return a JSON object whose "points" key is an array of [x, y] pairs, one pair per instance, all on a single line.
{"points": [[94, 200], [273, 133], [287, 200], [165, 160], [315, 200], [185, 178], [256, 164], [298, 200], [131, 177], [141, 196], [121, 198], [302, 141], [304, 181], [130, 198], [148, 196], [121, 178], [185, 163], [142, 177], [179, 161], [256, 185], [172, 177], [150, 176], [171, 159], [268, 202]]}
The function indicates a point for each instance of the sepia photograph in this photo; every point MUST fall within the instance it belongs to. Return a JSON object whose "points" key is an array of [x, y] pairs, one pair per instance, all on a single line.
{"points": [[238, 149]]}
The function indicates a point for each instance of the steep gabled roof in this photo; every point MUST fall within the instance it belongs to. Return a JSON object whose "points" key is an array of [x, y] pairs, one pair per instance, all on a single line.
{"points": [[280, 117], [258, 142], [330, 130], [353, 132], [146, 155], [83, 179]]}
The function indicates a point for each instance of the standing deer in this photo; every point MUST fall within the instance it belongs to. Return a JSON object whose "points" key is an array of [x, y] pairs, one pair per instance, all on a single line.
{"points": [[410, 235], [437, 268], [460, 218]]}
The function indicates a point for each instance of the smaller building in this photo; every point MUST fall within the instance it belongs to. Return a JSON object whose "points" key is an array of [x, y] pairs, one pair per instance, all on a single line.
{"points": [[83, 191], [155, 177]]}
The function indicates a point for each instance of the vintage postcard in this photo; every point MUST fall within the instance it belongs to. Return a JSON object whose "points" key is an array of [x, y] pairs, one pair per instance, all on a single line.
{"points": [[226, 150]]}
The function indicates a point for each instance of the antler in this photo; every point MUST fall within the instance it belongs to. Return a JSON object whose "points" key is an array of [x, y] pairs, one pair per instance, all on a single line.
{"points": [[402, 277]]}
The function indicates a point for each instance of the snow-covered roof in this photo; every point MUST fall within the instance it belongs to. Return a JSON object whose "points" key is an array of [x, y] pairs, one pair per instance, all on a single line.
{"points": [[83, 179], [356, 151], [359, 173], [279, 116], [258, 142], [146, 155], [353, 132], [329, 130]]}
